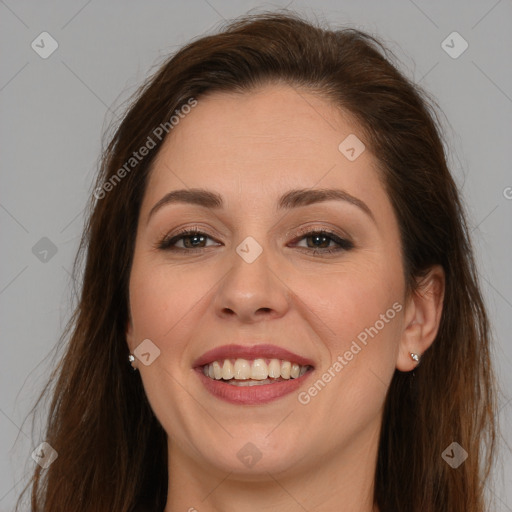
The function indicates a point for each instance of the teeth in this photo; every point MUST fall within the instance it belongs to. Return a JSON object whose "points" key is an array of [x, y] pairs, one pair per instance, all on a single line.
{"points": [[286, 366], [217, 370], [242, 368], [259, 370], [227, 370], [274, 368], [252, 371], [245, 383]]}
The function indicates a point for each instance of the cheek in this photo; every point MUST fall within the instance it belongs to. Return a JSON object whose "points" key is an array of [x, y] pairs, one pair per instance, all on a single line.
{"points": [[163, 297], [164, 303], [359, 332], [354, 298], [360, 312]]}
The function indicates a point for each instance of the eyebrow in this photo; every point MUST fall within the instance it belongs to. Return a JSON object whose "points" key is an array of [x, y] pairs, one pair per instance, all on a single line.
{"points": [[291, 199]]}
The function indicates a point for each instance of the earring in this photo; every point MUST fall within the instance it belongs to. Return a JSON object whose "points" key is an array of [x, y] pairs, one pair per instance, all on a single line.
{"points": [[131, 359], [415, 357]]}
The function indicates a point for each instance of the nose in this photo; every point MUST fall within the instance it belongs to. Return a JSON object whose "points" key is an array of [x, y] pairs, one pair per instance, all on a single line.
{"points": [[251, 292]]}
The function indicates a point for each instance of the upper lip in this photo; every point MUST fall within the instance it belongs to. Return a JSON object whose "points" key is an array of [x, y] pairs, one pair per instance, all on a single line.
{"points": [[264, 351]]}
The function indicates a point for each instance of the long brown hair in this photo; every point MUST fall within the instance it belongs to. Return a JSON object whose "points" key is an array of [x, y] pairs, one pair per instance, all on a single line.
{"points": [[112, 450]]}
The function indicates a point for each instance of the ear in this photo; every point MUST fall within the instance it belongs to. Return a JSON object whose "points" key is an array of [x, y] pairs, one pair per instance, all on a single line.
{"points": [[422, 317]]}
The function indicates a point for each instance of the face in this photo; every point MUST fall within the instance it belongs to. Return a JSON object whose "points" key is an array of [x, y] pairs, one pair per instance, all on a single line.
{"points": [[319, 275]]}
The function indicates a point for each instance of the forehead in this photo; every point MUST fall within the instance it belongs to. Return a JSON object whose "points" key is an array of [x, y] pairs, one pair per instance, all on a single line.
{"points": [[268, 140]]}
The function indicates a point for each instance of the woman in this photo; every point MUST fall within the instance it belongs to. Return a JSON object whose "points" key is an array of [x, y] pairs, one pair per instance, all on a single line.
{"points": [[278, 249]]}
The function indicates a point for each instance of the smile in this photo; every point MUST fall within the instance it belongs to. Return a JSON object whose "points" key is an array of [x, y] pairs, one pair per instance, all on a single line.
{"points": [[252, 375]]}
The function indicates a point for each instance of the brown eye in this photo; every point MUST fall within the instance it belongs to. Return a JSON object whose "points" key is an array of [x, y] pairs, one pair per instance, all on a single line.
{"points": [[324, 242], [188, 240], [318, 241], [193, 241]]}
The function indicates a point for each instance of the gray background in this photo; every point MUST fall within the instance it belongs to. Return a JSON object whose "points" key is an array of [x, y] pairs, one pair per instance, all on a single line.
{"points": [[53, 112]]}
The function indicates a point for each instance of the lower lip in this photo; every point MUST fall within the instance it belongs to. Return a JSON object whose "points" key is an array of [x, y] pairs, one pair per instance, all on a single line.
{"points": [[251, 395]]}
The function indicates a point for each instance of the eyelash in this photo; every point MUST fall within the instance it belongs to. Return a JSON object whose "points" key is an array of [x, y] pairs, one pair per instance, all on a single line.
{"points": [[166, 244]]}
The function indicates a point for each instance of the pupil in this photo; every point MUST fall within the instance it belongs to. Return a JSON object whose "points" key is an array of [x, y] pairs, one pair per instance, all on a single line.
{"points": [[193, 240], [321, 239]]}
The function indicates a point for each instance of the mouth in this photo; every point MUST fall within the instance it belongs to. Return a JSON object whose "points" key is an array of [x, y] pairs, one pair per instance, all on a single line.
{"points": [[252, 375]]}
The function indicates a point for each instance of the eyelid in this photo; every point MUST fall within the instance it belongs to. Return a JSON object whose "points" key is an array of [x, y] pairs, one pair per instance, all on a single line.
{"points": [[207, 230], [304, 230]]}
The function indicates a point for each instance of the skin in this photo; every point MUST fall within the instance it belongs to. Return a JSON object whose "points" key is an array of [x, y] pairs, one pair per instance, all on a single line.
{"points": [[251, 148]]}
